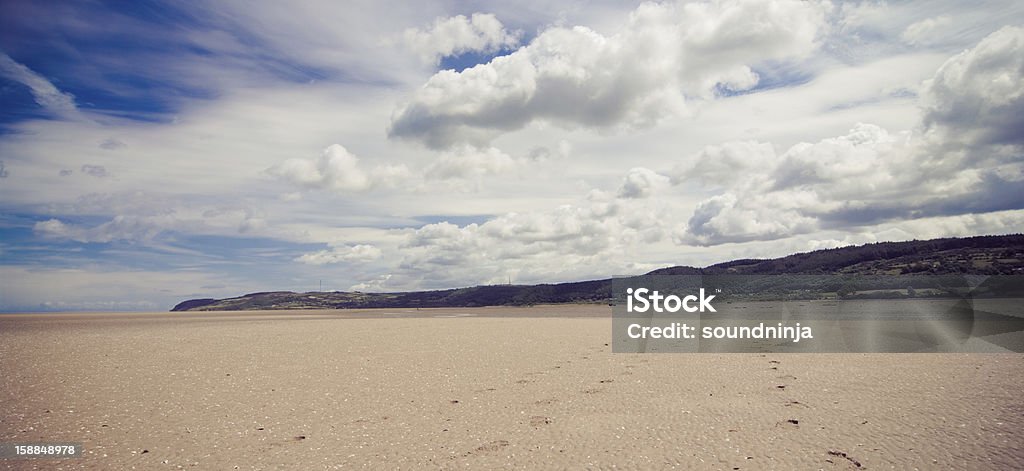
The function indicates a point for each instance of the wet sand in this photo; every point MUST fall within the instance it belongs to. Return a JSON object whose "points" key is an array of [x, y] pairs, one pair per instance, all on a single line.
{"points": [[480, 389]]}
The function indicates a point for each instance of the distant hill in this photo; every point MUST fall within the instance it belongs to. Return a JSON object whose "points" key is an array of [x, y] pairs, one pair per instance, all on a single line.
{"points": [[982, 255], [497, 295]]}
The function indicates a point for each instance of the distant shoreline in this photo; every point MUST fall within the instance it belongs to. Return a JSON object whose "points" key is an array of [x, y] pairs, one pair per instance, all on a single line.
{"points": [[887, 270]]}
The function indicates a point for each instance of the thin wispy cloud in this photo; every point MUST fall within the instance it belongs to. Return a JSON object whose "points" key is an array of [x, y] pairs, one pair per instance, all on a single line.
{"points": [[45, 94]]}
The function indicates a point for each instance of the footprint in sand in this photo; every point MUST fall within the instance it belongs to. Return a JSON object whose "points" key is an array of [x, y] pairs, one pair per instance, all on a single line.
{"points": [[485, 448], [843, 455], [539, 420], [493, 446]]}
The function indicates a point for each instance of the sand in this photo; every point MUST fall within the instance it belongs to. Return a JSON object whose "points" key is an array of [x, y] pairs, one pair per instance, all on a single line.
{"points": [[480, 389]]}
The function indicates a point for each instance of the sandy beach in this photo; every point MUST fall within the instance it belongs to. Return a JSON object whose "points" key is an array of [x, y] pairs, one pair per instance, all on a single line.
{"points": [[534, 388]]}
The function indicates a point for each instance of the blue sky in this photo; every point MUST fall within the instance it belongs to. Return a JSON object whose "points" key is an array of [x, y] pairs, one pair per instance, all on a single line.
{"points": [[153, 151]]}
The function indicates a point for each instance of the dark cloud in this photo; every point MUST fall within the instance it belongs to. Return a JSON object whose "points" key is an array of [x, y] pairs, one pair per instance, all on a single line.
{"points": [[991, 193], [97, 171], [112, 144]]}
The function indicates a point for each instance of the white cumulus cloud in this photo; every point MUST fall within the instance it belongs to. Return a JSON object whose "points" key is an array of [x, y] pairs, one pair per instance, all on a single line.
{"points": [[977, 96], [480, 32], [642, 182], [967, 158], [926, 31], [579, 77], [343, 253], [468, 162], [721, 164], [337, 169]]}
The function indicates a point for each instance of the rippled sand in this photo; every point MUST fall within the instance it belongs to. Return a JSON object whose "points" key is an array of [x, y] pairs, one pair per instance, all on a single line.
{"points": [[478, 389]]}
